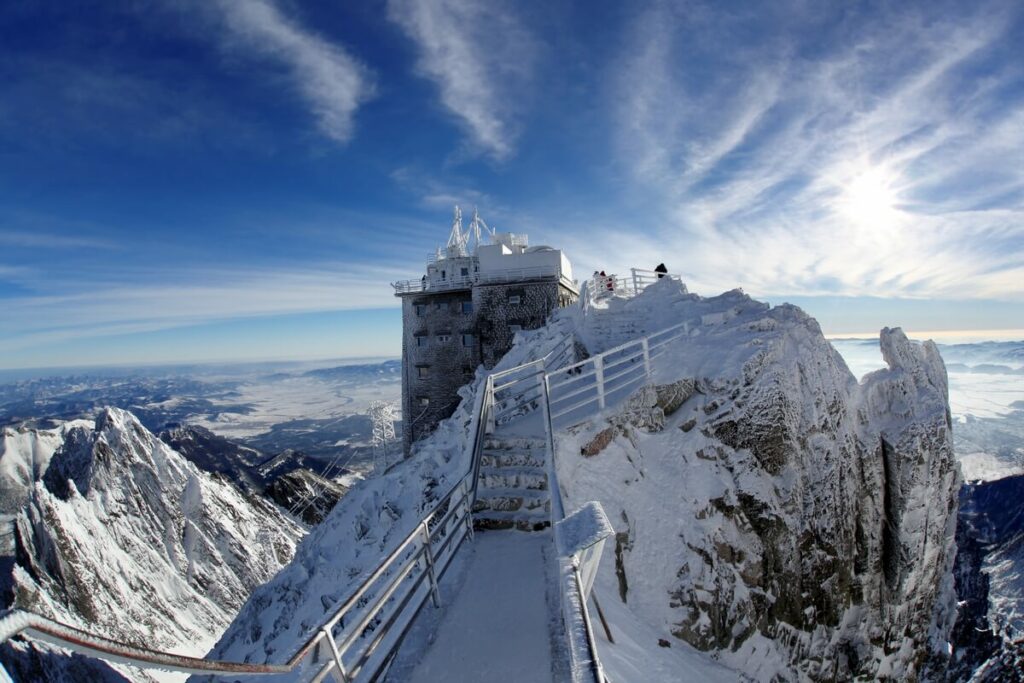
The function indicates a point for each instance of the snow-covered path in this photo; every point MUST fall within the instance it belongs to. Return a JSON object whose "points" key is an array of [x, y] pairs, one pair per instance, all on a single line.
{"points": [[496, 627]]}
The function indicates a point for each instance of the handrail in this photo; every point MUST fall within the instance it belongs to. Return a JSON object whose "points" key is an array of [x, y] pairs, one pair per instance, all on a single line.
{"points": [[497, 277]]}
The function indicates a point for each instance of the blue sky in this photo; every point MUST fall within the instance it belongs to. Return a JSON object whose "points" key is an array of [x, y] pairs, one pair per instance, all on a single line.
{"points": [[190, 180]]}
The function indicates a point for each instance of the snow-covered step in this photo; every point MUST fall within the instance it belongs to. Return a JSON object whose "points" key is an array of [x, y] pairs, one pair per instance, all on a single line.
{"points": [[511, 500], [513, 458], [514, 442], [513, 478], [535, 520]]}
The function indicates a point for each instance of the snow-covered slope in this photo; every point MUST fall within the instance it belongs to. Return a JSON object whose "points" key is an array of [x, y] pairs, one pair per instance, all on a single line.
{"points": [[770, 508], [125, 537]]}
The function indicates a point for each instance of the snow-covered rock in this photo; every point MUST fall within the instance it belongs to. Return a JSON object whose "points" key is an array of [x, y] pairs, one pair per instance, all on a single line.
{"points": [[125, 537], [793, 521]]}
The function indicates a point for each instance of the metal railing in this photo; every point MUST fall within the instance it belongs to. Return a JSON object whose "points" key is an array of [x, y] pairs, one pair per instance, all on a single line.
{"points": [[603, 286], [604, 380], [498, 277]]}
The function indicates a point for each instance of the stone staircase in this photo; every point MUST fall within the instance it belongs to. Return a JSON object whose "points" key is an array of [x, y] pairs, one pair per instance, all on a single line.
{"points": [[512, 492]]}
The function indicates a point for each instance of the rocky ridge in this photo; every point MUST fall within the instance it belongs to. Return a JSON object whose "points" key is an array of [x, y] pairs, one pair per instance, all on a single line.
{"points": [[125, 537], [805, 522]]}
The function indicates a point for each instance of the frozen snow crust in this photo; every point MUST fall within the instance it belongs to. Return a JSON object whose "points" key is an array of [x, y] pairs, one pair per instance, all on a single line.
{"points": [[769, 508]]}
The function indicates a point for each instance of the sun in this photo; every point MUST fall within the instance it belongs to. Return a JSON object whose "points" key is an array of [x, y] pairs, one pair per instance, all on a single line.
{"points": [[868, 198]]}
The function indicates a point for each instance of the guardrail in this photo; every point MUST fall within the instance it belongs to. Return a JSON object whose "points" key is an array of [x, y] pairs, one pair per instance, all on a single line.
{"points": [[465, 281], [600, 381], [602, 286]]}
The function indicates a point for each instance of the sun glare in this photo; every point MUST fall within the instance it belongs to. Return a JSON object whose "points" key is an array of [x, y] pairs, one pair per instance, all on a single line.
{"points": [[869, 200]]}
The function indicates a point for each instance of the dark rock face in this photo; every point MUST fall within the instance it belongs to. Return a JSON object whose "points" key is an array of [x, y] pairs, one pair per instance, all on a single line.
{"points": [[216, 454], [309, 495], [990, 531]]}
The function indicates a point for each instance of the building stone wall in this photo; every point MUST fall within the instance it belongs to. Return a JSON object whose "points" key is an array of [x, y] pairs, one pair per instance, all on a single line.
{"points": [[436, 357]]}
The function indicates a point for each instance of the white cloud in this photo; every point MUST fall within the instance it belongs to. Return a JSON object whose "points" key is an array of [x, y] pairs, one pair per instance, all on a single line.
{"points": [[333, 83], [758, 162], [479, 55]]}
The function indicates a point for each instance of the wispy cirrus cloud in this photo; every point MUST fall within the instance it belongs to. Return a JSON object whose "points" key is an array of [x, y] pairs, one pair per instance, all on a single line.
{"points": [[479, 54], [57, 311], [857, 154], [331, 81]]}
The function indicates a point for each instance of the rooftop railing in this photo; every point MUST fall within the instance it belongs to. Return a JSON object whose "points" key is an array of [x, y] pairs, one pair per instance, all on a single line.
{"points": [[496, 277]]}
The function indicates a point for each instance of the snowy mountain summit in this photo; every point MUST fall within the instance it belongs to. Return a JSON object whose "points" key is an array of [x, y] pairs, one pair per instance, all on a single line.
{"points": [[124, 536], [769, 507], [771, 513]]}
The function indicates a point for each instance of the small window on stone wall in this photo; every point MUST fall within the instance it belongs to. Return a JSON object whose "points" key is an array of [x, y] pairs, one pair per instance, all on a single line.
{"points": [[468, 340], [421, 309], [467, 306], [515, 328], [424, 401], [514, 299], [422, 371], [464, 272], [444, 338], [421, 340]]}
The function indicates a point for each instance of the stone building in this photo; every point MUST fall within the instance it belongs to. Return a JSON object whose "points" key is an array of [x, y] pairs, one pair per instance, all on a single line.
{"points": [[465, 311]]}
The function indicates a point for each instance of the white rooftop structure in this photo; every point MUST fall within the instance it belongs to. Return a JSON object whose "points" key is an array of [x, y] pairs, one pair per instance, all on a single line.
{"points": [[508, 257]]}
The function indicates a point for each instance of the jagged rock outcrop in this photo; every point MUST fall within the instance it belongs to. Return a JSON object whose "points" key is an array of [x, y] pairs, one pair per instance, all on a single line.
{"points": [[805, 522], [125, 537]]}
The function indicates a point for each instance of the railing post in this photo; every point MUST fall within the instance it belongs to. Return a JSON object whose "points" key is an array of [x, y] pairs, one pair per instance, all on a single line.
{"points": [[636, 282], [647, 358], [468, 503], [428, 549], [599, 377], [337, 655]]}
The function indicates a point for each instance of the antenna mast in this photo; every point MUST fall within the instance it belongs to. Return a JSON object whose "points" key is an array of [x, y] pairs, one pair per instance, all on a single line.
{"points": [[457, 239]]}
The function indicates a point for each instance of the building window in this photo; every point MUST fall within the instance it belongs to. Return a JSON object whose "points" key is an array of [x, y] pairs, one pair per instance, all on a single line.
{"points": [[467, 306], [515, 328], [467, 370], [468, 340], [424, 401], [465, 272], [421, 310], [444, 338], [443, 273], [514, 299], [422, 371], [421, 340]]}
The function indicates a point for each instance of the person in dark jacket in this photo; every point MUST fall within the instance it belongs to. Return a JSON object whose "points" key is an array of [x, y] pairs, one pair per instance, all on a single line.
{"points": [[661, 270]]}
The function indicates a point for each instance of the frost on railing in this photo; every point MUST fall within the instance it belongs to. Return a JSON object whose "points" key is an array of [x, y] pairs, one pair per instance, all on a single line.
{"points": [[578, 391]]}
